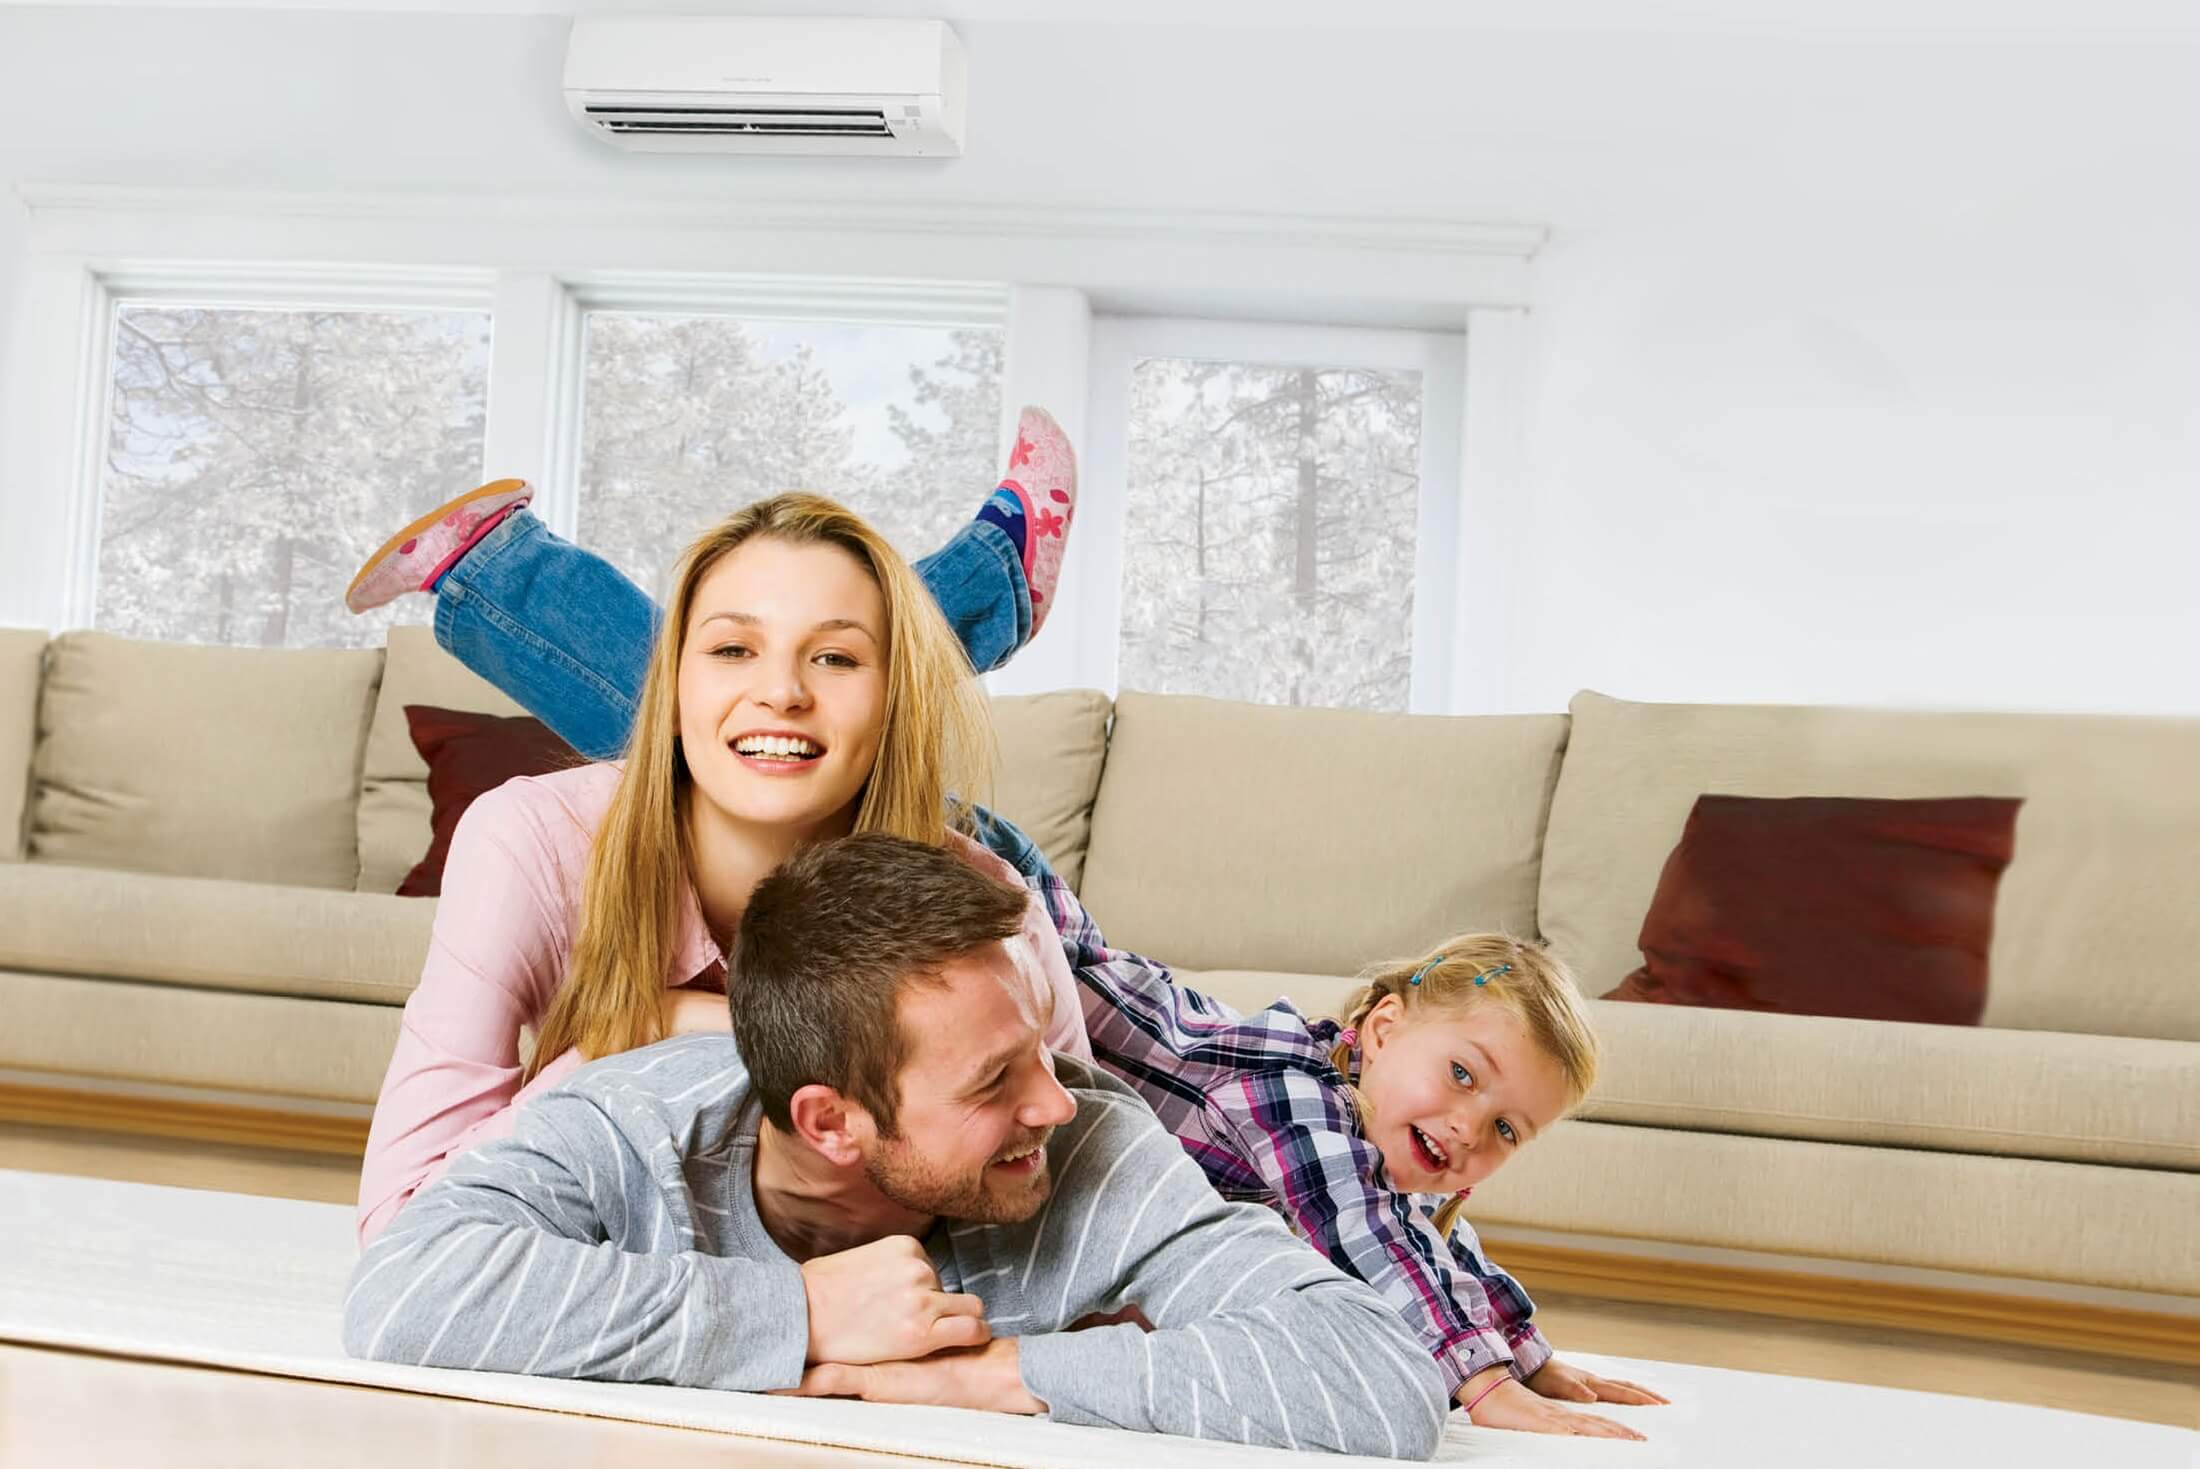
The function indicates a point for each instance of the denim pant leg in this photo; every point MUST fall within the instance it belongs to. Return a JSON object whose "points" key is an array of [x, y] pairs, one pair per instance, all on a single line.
{"points": [[1008, 841], [568, 637], [977, 579], [557, 628]]}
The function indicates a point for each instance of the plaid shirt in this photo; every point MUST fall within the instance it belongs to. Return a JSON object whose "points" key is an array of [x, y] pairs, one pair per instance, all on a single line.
{"points": [[1256, 1102]]}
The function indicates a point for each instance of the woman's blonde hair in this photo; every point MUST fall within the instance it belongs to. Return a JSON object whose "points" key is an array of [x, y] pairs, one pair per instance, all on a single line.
{"points": [[935, 756], [1523, 977]]}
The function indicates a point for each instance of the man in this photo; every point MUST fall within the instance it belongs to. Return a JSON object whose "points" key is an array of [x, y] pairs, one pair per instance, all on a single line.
{"points": [[890, 1190]]}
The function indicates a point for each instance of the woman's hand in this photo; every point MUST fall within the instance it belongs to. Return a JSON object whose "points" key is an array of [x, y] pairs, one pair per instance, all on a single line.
{"points": [[695, 1012], [988, 1378], [1556, 1379], [1511, 1405]]}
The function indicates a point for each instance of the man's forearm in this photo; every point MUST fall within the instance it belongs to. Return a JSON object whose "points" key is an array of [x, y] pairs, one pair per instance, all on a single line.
{"points": [[1313, 1370], [469, 1277]]}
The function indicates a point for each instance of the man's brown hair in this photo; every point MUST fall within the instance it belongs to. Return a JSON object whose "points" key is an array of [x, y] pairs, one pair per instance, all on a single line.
{"points": [[829, 943]]}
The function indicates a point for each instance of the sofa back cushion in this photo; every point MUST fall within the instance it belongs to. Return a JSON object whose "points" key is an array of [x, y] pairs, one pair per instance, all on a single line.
{"points": [[1315, 841], [1052, 746], [202, 762], [394, 809], [22, 657], [2095, 929]]}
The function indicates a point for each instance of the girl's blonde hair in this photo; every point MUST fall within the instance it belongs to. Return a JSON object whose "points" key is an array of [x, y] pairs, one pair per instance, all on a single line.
{"points": [[935, 756], [1523, 977]]}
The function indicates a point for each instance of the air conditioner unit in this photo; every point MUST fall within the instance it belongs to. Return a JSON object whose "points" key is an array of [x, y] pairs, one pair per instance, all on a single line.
{"points": [[710, 84]]}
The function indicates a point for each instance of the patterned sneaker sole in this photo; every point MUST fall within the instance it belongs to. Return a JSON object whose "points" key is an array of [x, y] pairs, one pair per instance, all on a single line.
{"points": [[1044, 471], [387, 575]]}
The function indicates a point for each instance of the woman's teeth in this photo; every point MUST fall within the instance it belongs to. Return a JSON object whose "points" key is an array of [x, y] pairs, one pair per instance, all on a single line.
{"points": [[777, 747]]}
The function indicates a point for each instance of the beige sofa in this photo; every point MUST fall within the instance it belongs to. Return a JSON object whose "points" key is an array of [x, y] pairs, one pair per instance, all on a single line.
{"points": [[198, 847]]}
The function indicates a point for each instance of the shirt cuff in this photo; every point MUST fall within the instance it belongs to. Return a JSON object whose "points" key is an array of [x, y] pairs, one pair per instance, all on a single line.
{"points": [[1476, 1351], [1530, 1350]]}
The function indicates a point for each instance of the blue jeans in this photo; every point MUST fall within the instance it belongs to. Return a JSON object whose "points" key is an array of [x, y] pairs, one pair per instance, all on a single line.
{"points": [[568, 637]]}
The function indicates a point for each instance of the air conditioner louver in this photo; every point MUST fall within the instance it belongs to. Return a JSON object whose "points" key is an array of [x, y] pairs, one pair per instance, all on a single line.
{"points": [[765, 122]]}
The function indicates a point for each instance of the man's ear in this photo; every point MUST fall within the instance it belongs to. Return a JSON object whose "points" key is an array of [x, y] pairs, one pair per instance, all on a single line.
{"points": [[839, 1130]]}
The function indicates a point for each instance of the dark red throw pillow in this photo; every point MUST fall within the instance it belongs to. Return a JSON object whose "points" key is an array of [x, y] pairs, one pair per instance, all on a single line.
{"points": [[469, 755], [1829, 905]]}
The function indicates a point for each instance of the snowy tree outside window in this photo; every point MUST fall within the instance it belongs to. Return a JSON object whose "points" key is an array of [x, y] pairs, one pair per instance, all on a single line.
{"points": [[1269, 537], [254, 456], [687, 418]]}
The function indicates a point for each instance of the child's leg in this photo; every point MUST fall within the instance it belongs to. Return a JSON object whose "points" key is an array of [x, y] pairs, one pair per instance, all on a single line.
{"points": [[977, 579], [568, 637], [557, 628], [995, 579]]}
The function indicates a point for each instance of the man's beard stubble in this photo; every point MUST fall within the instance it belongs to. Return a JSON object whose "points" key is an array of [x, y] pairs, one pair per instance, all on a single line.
{"points": [[907, 1180]]}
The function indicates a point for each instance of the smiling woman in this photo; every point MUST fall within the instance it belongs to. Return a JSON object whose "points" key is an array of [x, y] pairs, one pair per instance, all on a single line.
{"points": [[803, 685], [792, 620]]}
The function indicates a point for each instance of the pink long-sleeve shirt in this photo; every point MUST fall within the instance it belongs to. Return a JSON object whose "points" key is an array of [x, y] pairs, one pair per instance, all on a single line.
{"points": [[504, 931]]}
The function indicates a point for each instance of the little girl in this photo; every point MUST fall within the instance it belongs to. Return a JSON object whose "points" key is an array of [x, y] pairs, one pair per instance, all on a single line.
{"points": [[1367, 1134]]}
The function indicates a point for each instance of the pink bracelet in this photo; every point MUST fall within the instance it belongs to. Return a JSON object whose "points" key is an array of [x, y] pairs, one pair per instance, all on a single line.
{"points": [[1485, 1392]]}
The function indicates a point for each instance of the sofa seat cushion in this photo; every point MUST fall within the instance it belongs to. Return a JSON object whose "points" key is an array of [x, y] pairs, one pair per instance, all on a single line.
{"points": [[2018, 1093], [208, 934], [284, 1048], [202, 762], [2084, 1224], [1314, 840]]}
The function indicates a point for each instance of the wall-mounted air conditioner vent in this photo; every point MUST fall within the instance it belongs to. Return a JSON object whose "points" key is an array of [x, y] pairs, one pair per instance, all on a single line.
{"points": [[769, 122], [700, 84]]}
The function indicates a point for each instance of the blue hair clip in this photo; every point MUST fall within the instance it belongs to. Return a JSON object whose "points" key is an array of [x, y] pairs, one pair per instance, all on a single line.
{"points": [[1483, 978]]}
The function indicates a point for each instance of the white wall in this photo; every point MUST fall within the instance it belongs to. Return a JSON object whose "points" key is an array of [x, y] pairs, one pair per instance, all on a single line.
{"points": [[19, 504], [1867, 364]]}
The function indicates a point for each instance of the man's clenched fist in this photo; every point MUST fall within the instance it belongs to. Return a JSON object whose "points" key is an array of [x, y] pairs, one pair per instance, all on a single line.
{"points": [[882, 1302]]}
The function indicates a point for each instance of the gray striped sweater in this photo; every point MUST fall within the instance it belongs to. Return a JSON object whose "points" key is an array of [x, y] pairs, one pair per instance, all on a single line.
{"points": [[614, 1235]]}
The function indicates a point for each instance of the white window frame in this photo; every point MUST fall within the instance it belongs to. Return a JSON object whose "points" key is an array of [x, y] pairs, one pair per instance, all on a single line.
{"points": [[1121, 342], [106, 291], [537, 264], [841, 301]]}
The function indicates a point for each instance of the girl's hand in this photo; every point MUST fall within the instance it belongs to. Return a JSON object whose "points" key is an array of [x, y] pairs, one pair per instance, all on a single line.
{"points": [[1511, 1405], [695, 1012], [1556, 1379]]}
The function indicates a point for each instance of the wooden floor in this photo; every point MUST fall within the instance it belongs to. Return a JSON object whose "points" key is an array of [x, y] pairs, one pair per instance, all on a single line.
{"points": [[432, 1431], [68, 1408]]}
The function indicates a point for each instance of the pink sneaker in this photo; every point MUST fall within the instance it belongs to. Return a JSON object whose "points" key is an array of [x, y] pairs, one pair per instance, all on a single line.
{"points": [[1042, 470], [413, 559]]}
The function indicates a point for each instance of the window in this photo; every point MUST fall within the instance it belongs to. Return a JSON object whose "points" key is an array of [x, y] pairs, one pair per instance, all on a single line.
{"points": [[1268, 510], [253, 456], [688, 417], [1284, 511]]}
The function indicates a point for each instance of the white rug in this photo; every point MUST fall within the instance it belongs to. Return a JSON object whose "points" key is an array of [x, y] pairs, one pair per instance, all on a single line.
{"points": [[235, 1281]]}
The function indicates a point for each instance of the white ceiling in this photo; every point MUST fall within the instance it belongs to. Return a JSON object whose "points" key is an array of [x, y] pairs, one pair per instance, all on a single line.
{"points": [[1759, 17]]}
